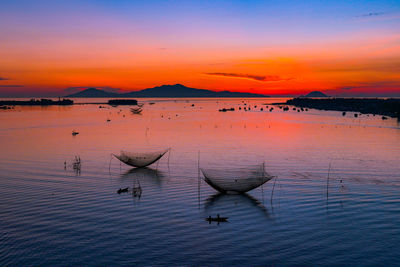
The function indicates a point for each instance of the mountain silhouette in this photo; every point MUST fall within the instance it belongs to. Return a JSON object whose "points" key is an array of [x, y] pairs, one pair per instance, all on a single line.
{"points": [[316, 94], [93, 92], [176, 90]]}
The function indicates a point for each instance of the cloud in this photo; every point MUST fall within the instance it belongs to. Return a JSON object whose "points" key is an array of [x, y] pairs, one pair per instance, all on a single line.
{"points": [[3, 79], [11, 85], [259, 78], [378, 16], [371, 85], [347, 88], [371, 14], [384, 88]]}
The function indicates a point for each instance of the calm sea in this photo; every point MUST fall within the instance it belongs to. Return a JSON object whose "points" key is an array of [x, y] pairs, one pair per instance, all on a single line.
{"points": [[51, 214]]}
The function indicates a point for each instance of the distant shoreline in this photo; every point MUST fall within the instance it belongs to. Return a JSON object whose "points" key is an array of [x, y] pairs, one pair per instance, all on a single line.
{"points": [[37, 102], [111, 100], [386, 107]]}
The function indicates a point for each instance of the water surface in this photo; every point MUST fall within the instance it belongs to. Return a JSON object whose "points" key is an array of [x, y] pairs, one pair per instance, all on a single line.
{"points": [[55, 216]]}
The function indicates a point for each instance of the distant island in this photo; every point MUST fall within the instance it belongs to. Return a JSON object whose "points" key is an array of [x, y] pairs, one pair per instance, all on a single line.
{"points": [[176, 90], [315, 94]]}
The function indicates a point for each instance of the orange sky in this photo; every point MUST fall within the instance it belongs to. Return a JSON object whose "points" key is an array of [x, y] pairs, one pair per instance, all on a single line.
{"points": [[44, 60]]}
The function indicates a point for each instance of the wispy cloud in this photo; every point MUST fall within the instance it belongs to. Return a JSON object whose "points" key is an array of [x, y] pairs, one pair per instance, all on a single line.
{"points": [[11, 85], [371, 14], [346, 88], [378, 84], [378, 16], [259, 78], [384, 88], [3, 79]]}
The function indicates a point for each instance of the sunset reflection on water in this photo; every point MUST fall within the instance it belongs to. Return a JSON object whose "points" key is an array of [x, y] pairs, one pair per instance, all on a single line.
{"points": [[43, 204]]}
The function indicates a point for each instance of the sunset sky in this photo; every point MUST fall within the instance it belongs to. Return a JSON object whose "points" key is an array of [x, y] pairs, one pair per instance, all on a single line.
{"points": [[348, 48]]}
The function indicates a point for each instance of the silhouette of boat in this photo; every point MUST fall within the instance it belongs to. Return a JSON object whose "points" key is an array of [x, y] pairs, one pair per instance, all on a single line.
{"points": [[139, 160], [236, 181], [123, 190], [216, 219]]}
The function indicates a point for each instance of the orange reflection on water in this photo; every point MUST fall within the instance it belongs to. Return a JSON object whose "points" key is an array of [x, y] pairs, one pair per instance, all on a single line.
{"points": [[255, 135]]}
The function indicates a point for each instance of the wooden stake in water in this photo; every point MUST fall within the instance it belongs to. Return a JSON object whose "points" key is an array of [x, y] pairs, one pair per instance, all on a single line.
{"points": [[327, 181], [109, 165], [198, 178], [169, 154], [262, 186], [273, 188]]}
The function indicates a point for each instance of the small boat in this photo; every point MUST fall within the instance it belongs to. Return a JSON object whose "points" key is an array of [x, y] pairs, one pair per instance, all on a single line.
{"points": [[217, 219], [140, 159], [226, 109], [236, 181], [123, 190]]}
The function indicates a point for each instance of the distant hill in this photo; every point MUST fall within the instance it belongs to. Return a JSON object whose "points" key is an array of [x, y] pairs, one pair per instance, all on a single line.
{"points": [[176, 90], [316, 94], [93, 92]]}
